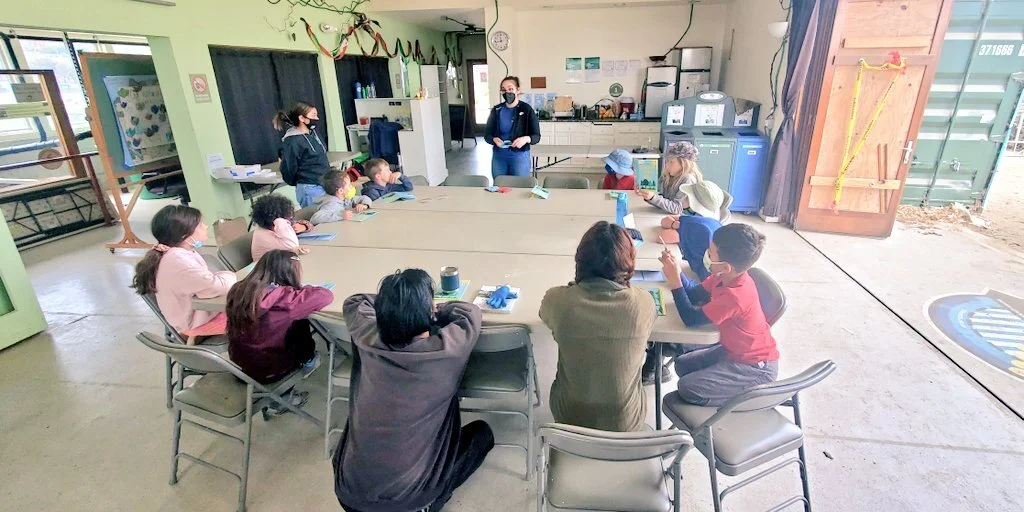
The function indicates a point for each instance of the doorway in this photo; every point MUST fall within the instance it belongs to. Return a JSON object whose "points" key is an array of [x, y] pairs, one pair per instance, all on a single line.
{"points": [[479, 107]]}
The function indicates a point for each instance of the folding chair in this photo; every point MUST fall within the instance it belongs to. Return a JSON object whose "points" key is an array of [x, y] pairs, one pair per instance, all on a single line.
{"points": [[466, 180], [502, 366], [723, 213], [588, 469], [224, 395], [217, 343], [237, 254], [419, 181], [772, 299], [573, 182], [748, 432], [515, 181], [340, 359]]}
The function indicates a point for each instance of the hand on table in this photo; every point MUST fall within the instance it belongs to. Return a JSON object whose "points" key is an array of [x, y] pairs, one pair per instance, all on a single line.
{"points": [[672, 268], [646, 194], [302, 249], [395, 177], [361, 208], [302, 226], [347, 214], [520, 142]]}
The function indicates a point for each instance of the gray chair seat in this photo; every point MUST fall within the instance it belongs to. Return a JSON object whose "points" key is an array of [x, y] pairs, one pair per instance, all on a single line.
{"points": [[221, 394], [742, 440], [496, 371], [342, 374], [580, 483], [218, 343]]}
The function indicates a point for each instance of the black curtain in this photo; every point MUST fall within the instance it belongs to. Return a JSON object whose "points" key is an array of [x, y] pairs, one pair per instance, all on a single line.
{"points": [[253, 86], [810, 32], [365, 70]]}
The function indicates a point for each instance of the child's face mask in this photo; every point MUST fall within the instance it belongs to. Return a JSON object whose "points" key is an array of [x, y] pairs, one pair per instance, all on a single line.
{"points": [[708, 262], [350, 191]]}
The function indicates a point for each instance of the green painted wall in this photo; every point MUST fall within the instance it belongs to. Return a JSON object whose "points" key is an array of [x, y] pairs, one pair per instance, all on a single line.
{"points": [[180, 37]]}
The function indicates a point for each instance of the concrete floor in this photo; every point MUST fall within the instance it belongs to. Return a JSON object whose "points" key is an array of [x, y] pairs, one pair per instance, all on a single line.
{"points": [[83, 425]]}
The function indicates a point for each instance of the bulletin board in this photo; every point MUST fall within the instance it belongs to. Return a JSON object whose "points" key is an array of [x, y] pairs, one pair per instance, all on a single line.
{"points": [[107, 133]]}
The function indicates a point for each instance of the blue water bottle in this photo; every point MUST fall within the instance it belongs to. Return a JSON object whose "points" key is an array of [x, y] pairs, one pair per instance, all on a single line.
{"points": [[359, 91], [621, 208], [373, 90]]}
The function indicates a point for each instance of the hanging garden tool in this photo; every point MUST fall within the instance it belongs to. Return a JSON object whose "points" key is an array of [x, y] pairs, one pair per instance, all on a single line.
{"points": [[897, 64]]}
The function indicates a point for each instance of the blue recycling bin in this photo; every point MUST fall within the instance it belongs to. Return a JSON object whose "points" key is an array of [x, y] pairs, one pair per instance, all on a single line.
{"points": [[749, 172]]}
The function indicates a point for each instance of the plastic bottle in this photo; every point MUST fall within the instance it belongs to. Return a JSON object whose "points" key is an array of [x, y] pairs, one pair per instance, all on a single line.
{"points": [[373, 90], [359, 91], [621, 207]]}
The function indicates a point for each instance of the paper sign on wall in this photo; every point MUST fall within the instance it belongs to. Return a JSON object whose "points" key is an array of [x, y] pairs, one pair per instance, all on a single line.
{"points": [[200, 88], [592, 69], [573, 70]]}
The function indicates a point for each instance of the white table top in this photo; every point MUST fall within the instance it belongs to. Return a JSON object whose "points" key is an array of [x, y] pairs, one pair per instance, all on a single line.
{"points": [[337, 159], [479, 232], [359, 270], [581, 151], [518, 201]]}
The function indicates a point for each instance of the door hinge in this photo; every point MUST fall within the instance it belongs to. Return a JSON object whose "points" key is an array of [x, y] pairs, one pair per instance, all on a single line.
{"points": [[907, 151]]}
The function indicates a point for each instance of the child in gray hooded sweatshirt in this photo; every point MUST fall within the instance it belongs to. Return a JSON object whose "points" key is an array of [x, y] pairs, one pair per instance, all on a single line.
{"points": [[341, 199]]}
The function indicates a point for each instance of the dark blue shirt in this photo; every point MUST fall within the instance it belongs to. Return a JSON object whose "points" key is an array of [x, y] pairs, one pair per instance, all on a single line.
{"points": [[506, 118]]}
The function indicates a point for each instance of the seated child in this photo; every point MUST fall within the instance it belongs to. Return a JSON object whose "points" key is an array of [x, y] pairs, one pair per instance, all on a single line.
{"points": [[701, 199], [679, 168], [176, 273], [341, 199], [272, 215], [619, 166], [405, 447], [746, 355], [383, 180], [268, 331]]}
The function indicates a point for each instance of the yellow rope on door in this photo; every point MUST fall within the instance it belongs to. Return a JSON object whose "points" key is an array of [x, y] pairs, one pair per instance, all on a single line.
{"points": [[897, 64]]}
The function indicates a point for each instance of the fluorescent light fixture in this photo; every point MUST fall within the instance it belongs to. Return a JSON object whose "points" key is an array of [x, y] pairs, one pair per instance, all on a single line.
{"points": [[778, 29]]}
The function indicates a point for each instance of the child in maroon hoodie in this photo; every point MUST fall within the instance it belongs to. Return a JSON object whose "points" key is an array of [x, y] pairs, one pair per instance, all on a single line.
{"points": [[268, 331]]}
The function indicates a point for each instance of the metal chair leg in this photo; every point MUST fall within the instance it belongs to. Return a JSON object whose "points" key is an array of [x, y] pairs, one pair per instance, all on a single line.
{"points": [[540, 478], [536, 381], [246, 449], [677, 476], [175, 444], [529, 432], [714, 471], [804, 479], [330, 392], [170, 380], [657, 386]]}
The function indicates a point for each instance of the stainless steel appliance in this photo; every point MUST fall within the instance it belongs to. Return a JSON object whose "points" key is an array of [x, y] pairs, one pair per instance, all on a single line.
{"points": [[694, 71], [662, 82]]}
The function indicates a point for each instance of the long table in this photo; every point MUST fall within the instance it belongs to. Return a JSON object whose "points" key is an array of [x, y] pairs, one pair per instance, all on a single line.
{"points": [[518, 201], [359, 270], [556, 154], [527, 234]]}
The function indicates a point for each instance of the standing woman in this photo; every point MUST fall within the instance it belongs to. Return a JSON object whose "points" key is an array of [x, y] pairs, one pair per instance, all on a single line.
{"points": [[511, 127], [303, 154], [601, 325]]}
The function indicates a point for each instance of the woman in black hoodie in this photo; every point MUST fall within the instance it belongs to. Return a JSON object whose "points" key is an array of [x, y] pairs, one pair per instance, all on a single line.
{"points": [[303, 154]]}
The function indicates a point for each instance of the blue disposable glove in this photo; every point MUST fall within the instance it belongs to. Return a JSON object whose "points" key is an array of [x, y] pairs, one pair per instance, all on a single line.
{"points": [[500, 297]]}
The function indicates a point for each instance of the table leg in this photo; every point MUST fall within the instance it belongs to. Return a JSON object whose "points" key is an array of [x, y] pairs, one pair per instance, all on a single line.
{"points": [[657, 386], [536, 160]]}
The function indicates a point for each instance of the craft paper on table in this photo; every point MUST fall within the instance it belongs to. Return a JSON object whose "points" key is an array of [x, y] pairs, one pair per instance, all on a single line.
{"points": [[573, 70], [391, 197], [316, 237], [648, 276], [592, 69], [659, 300], [645, 172], [540, 192], [485, 293], [141, 118], [360, 217], [441, 295]]}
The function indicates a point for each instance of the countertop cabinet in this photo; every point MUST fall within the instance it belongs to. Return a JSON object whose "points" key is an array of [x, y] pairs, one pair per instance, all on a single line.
{"points": [[623, 134]]}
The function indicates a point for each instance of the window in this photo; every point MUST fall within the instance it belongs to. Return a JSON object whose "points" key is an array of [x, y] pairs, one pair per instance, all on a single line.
{"points": [[133, 49], [45, 54]]}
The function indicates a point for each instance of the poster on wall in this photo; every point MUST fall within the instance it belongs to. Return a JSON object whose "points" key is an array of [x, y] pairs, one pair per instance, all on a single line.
{"points": [[145, 131], [573, 70], [592, 69]]}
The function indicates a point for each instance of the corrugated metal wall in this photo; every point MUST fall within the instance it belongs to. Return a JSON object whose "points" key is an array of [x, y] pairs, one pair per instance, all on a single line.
{"points": [[965, 122]]}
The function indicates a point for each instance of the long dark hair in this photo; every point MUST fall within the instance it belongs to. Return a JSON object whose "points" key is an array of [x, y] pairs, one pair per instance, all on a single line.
{"points": [[607, 252], [404, 306], [285, 119], [171, 226], [275, 267]]}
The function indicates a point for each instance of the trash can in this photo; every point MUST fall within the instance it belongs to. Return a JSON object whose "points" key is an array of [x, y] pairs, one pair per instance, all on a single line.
{"points": [[717, 147], [749, 170]]}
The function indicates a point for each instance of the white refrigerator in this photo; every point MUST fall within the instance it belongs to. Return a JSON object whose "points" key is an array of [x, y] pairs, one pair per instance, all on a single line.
{"points": [[662, 82]]}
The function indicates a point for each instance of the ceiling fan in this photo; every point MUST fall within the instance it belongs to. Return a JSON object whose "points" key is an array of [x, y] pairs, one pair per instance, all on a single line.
{"points": [[469, 27]]}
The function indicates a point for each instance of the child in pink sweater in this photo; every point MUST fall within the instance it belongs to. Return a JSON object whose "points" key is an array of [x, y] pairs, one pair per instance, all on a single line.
{"points": [[176, 273], [275, 229]]}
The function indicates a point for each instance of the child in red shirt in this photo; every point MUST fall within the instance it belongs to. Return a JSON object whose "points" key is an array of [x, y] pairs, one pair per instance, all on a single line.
{"points": [[746, 355], [619, 166]]}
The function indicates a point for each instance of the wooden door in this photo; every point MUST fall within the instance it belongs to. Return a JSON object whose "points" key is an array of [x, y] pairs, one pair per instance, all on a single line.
{"points": [[870, 191]]}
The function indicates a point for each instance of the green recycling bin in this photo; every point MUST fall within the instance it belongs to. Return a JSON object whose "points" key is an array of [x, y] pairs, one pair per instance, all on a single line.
{"points": [[717, 147]]}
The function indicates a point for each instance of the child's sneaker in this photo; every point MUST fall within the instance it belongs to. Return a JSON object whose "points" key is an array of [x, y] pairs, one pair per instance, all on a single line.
{"points": [[295, 398], [310, 366]]}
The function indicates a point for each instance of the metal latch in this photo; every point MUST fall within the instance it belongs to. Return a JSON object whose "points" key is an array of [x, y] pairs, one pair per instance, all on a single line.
{"points": [[955, 165]]}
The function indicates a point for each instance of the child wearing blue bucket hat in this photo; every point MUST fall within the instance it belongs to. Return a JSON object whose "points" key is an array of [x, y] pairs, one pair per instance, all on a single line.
{"points": [[619, 165]]}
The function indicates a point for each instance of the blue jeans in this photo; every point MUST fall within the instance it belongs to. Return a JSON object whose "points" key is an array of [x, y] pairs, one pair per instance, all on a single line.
{"points": [[306, 193], [518, 165]]}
